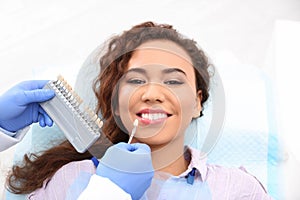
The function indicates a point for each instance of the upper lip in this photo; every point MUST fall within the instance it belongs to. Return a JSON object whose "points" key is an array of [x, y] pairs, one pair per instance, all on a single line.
{"points": [[151, 110]]}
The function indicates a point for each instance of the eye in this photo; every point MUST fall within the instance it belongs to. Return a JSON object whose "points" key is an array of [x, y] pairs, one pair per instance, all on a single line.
{"points": [[136, 81], [173, 82]]}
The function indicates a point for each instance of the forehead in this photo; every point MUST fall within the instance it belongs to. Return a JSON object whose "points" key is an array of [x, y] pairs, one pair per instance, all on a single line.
{"points": [[163, 53]]}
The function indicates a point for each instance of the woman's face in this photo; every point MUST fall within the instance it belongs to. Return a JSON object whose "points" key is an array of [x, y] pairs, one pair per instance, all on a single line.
{"points": [[159, 90]]}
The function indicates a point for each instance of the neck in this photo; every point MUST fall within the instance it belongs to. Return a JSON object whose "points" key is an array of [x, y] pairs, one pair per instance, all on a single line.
{"points": [[169, 158]]}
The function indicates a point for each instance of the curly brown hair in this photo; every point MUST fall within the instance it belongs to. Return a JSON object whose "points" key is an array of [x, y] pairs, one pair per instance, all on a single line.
{"points": [[36, 169]]}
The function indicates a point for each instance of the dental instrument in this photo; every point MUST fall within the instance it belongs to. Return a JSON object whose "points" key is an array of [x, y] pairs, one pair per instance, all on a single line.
{"points": [[135, 124]]}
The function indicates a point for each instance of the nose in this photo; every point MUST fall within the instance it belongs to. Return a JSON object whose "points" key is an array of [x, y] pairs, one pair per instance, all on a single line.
{"points": [[153, 93]]}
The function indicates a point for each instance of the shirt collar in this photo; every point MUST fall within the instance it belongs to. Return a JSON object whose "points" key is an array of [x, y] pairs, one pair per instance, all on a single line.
{"points": [[197, 160]]}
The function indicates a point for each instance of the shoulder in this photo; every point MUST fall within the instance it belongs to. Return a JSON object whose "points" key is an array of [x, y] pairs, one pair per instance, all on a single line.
{"points": [[59, 183], [236, 182], [83, 165], [70, 171]]}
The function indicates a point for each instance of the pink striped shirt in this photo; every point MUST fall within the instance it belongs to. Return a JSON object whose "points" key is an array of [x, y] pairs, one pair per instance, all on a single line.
{"points": [[219, 183]]}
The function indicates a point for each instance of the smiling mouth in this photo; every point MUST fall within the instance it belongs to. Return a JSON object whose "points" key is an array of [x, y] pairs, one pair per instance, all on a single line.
{"points": [[152, 117]]}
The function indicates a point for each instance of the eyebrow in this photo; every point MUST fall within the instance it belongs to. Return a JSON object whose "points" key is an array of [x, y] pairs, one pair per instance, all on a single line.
{"points": [[165, 71], [171, 70], [139, 70]]}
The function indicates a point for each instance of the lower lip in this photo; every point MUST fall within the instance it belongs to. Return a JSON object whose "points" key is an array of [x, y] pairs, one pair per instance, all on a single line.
{"points": [[148, 121]]}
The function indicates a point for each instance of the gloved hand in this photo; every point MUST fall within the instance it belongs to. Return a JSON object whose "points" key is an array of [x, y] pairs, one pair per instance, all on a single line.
{"points": [[19, 106], [129, 166]]}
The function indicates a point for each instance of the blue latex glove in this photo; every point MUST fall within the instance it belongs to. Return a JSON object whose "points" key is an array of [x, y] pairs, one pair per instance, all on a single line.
{"points": [[19, 106], [129, 166]]}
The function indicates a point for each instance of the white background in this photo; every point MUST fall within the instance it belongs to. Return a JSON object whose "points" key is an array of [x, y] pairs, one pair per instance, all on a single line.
{"points": [[41, 39]]}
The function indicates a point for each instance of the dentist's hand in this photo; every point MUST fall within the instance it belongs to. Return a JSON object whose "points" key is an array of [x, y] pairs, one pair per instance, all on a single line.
{"points": [[129, 166], [19, 106]]}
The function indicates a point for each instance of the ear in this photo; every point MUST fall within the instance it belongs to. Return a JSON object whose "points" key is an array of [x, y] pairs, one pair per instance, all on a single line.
{"points": [[198, 106]]}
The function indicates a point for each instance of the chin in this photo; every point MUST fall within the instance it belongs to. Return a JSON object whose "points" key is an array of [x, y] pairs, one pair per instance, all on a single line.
{"points": [[155, 142]]}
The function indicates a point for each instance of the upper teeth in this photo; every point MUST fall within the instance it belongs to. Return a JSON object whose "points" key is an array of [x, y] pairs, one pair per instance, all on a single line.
{"points": [[154, 116]]}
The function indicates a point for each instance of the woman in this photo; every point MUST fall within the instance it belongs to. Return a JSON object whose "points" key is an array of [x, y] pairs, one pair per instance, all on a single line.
{"points": [[153, 74]]}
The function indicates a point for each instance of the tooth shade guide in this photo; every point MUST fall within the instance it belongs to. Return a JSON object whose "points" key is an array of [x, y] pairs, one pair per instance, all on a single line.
{"points": [[79, 123]]}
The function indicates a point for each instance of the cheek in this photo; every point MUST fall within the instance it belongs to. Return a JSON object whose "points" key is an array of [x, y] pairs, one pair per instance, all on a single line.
{"points": [[126, 97], [123, 97], [186, 99], [183, 101]]}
